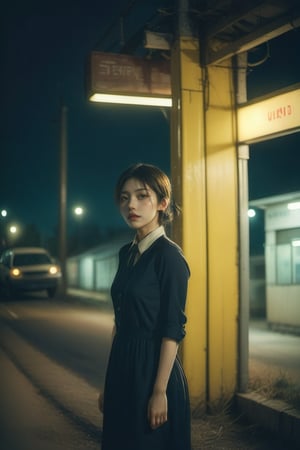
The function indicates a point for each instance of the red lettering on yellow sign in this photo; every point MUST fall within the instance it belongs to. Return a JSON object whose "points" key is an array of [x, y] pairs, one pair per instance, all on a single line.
{"points": [[280, 113]]}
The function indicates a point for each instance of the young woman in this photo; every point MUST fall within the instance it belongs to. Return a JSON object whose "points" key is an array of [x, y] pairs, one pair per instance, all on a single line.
{"points": [[145, 403]]}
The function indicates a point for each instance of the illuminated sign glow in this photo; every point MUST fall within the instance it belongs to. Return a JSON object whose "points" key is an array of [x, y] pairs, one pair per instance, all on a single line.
{"points": [[273, 116], [280, 112], [118, 78], [131, 100]]}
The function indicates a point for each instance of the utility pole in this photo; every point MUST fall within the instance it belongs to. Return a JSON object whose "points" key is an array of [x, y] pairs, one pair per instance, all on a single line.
{"points": [[63, 196]]}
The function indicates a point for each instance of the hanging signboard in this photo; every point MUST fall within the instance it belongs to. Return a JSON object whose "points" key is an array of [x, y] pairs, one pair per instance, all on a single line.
{"points": [[277, 115], [126, 75]]}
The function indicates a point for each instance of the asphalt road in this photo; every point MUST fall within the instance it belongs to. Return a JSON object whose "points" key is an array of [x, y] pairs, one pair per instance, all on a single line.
{"points": [[28, 420], [52, 358], [76, 337]]}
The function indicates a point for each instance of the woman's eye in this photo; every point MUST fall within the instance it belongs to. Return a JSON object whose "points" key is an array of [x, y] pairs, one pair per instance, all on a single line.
{"points": [[142, 196], [123, 198]]}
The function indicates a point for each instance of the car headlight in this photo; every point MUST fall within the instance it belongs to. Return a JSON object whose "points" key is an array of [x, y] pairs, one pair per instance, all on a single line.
{"points": [[15, 272], [53, 270]]}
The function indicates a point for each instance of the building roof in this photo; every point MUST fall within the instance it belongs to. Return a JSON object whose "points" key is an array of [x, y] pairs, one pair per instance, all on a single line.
{"points": [[224, 27], [263, 203]]}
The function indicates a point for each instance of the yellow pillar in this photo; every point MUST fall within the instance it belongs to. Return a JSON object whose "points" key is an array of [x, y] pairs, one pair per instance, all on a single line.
{"points": [[222, 224], [204, 175], [188, 176]]}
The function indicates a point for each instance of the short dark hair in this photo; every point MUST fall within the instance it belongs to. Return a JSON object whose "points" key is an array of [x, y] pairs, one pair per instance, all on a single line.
{"points": [[157, 180]]}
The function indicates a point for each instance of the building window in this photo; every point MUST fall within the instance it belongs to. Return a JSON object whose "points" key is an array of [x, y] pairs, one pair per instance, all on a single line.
{"points": [[296, 261], [283, 264], [288, 256]]}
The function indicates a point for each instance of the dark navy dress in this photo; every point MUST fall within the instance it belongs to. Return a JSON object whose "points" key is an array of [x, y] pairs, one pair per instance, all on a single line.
{"points": [[149, 301]]}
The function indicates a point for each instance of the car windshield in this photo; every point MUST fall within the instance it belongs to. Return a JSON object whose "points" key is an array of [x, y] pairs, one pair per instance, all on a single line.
{"points": [[31, 259]]}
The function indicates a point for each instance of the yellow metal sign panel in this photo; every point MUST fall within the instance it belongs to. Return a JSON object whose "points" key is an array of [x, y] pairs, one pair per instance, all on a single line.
{"points": [[273, 116]]}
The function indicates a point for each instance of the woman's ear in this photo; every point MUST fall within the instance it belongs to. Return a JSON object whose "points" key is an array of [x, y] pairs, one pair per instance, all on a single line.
{"points": [[163, 204]]}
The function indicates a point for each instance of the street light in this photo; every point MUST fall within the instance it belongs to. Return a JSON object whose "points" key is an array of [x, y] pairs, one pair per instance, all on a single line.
{"points": [[78, 211], [13, 229], [13, 232], [3, 231], [251, 213]]}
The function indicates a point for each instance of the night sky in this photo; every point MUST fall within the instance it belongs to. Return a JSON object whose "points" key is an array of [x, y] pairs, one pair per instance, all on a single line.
{"points": [[44, 55], [274, 164], [44, 60]]}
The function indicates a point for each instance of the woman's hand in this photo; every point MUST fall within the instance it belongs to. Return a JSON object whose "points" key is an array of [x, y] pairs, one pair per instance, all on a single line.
{"points": [[157, 409], [101, 401], [158, 403]]}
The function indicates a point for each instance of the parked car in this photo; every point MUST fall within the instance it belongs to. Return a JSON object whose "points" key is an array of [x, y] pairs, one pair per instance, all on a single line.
{"points": [[28, 269]]}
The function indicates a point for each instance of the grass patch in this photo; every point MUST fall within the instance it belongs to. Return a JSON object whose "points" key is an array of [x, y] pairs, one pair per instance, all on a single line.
{"points": [[278, 387]]}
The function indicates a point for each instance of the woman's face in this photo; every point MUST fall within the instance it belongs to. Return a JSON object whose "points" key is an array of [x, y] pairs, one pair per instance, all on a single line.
{"points": [[139, 206]]}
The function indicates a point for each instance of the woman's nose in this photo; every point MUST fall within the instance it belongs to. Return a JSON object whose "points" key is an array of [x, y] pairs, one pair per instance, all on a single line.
{"points": [[131, 203]]}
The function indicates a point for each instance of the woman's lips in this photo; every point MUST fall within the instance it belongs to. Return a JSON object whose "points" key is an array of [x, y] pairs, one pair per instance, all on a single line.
{"points": [[133, 217]]}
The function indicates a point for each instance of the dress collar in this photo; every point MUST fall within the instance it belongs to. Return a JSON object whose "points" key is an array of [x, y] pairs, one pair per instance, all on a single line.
{"points": [[148, 240]]}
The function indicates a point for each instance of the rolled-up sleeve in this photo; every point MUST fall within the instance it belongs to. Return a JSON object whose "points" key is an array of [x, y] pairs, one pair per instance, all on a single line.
{"points": [[173, 273]]}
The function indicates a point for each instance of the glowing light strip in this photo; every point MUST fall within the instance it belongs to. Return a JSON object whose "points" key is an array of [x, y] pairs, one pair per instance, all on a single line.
{"points": [[294, 205], [132, 100], [296, 243]]}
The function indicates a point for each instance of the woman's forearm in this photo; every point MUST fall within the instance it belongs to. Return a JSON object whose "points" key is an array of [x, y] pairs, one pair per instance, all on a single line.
{"points": [[158, 402], [168, 352]]}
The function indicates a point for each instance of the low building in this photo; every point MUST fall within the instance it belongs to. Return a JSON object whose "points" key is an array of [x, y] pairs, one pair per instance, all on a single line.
{"points": [[282, 259], [95, 269]]}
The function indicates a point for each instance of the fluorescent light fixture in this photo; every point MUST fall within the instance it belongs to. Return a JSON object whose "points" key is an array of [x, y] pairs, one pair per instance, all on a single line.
{"points": [[296, 243], [294, 205], [132, 100]]}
